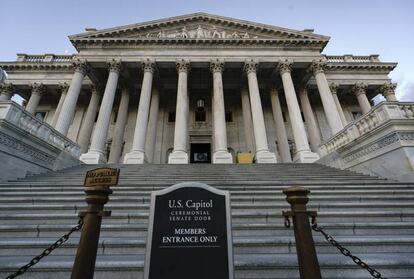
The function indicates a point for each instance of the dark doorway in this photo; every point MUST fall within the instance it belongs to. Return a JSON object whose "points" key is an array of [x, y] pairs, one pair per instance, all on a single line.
{"points": [[200, 153]]}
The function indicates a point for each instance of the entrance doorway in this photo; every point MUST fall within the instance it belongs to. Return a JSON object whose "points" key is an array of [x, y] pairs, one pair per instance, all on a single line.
{"points": [[200, 153]]}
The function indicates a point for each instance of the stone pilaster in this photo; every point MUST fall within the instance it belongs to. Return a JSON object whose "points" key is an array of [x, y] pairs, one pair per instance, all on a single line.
{"points": [[329, 106], [96, 153], [7, 91], [334, 89], [359, 91], [63, 88], [121, 120], [69, 105], [303, 152], [388, 91], [137, 154], [37, 91], [179, 154], [263, 155], [281, 136], [221, 154]]}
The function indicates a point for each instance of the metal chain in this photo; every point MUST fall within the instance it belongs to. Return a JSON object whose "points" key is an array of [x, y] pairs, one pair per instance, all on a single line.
{"points": [[47, 251], [346, 252]]}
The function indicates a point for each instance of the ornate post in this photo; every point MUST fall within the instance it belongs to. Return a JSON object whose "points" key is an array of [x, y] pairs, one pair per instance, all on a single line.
{"points": [[179, 154], [263, 155], [334, 89], [37, 91], [359, 91], [63, 88], [329, 106], [6, 91], [137, 154], [388, 91], [221, 155]]}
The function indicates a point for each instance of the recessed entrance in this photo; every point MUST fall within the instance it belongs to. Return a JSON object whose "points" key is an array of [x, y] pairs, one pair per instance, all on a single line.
{"points": [[200, 153]]}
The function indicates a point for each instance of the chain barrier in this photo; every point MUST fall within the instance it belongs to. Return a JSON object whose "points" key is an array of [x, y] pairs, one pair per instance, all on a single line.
{"points": [[47, 251]]}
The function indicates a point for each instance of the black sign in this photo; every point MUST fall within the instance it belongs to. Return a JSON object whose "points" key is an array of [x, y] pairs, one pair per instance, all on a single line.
{"points": [[189, 234]]}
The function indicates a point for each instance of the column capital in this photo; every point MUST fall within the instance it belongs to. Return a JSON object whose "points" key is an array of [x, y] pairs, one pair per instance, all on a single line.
{"points": [[388, 88], [114, 65], [359, 88], [250, 66], [216, 65], [37, 88], [284, 66], [80, 66], [7, 88], [317, 66], [63, 87], [334, 87], [182, 65], [148, 65]]}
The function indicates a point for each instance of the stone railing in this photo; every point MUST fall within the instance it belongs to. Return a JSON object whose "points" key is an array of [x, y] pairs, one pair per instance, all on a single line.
{"points": [[14, 114], [377, 116], [22, 57], [352, 58]]}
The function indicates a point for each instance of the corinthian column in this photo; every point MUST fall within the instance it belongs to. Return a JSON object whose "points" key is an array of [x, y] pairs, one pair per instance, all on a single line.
{"points": [[334, 88], [121, 119], [388, 91], [152, 125], [179, 154], [87, 126], [329, 106], [313, 129], [247, 120], [137, 154], [282, 141], [69, 105], [37, 91], [96, 153], [303, 152], [263, 155], [63, 88], [221, 154], [6, 90], [359, 90]]}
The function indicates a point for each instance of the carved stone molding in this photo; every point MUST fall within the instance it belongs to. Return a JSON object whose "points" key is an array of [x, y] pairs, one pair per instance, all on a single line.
{"points": [[250, 66], [388, 89], [37, 88], [216, 65], [80, 66], [182, 65], [284, 66], [7, 88], [317, 66], [114, 65], [359, 88], [148, 65], [334, 87], [63, 87]]}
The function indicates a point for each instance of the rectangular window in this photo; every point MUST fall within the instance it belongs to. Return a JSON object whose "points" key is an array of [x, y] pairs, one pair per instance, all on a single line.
{"points": [[40, 115], [229, 116], [200, 116], [171, 116]]}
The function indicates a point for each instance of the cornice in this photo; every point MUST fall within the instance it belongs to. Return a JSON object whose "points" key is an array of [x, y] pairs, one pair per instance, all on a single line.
{"points": [[360, 66], [21, 66]]}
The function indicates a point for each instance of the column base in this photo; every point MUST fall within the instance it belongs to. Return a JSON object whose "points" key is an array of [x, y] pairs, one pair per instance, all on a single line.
{"points": [[93, 157], [222, 157], [265, 157], [305, 156], [135, 157], [178, 157]]}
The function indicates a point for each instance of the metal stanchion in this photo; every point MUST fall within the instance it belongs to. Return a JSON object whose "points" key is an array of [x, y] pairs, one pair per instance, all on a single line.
{"points": [[305, 247]]}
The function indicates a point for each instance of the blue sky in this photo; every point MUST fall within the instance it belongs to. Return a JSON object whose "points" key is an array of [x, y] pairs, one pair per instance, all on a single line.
{"points": [[358, 27]]}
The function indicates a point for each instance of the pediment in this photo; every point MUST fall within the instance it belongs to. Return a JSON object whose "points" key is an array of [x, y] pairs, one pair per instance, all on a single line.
{"points": [[200, 27]]}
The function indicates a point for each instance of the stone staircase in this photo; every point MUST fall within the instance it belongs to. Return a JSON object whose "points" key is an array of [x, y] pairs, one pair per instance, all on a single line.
{"points": [[373, 217]]}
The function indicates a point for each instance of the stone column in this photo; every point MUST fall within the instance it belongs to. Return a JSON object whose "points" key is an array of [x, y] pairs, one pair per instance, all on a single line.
{"points": [[121, 120], [282, 141], [89, 120], [331, 112], [69, 105], [263, 155], [37, 91], [179, 154], [247, 120], [6, 90], [63, 88], [334, 89], [152, 125], [313, 128], [221, 154], [303, 152], [137, 154], [96, 153], [388, 91], [359, 90]]}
